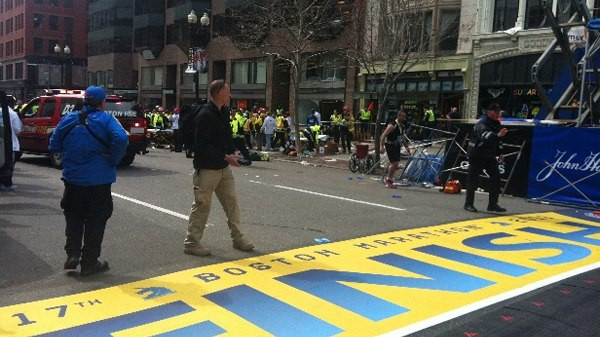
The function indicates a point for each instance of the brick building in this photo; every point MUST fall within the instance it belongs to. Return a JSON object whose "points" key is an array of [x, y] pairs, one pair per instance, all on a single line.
{"points": [[30, 30], [161, 42]]}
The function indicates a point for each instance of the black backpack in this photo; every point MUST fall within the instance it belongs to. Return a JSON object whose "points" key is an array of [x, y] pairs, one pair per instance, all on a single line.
{"points": [[83, 121]]}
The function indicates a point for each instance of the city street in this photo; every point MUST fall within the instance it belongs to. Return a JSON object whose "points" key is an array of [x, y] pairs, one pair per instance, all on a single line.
{"points": [[285, 206]]}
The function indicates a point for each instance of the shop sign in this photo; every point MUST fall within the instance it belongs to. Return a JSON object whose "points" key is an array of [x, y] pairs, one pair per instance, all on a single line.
{"points": [[524, 92], [534, 43], [577, 35], [496, 92]]}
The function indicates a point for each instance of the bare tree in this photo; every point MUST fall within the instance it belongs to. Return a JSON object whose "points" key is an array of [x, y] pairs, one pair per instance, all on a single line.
{"points": [[291, 31], [391, 37]]}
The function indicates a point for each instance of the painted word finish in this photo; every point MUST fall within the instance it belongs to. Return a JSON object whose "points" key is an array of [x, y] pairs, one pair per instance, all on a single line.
{"points": [[279, 318]]}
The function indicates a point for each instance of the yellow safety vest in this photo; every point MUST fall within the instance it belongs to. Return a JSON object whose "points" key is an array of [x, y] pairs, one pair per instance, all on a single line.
{"points": [[336, 120], [315, 130], [279, 123], [365, 115], [430, 115]]}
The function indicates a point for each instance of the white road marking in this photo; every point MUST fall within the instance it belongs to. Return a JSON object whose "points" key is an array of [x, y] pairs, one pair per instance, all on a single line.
{"points": [[427, 323], [156, 208], [328, 196]]}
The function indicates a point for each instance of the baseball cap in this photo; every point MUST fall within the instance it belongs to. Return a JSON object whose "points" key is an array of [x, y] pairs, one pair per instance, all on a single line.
{"points": [[94, 95], [494, 106]]}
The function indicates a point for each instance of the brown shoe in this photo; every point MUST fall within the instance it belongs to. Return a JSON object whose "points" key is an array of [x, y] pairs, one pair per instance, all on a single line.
{"points": [[198, 251], [243, 245]]}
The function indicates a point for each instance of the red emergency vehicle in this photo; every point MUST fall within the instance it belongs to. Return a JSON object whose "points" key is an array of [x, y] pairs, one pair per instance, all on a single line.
{"points": [[41, 116]]}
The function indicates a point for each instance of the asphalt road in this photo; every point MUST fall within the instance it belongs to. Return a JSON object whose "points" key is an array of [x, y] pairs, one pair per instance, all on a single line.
{"points": [[284, 206]]}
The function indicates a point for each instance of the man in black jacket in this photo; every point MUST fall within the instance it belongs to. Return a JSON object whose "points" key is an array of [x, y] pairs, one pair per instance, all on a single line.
{"points": [[482, 151], [213, 153]]}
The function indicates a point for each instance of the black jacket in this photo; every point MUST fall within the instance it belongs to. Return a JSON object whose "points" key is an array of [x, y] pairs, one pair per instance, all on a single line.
{"points": [[484, 141], [212, 138]]}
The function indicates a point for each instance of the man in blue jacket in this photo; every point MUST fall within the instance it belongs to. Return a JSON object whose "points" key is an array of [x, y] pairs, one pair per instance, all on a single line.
{"points": [[92, 143]]}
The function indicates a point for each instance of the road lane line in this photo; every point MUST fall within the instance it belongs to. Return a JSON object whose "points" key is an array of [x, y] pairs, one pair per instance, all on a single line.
{"points": [[328, 195], [156, 208]]}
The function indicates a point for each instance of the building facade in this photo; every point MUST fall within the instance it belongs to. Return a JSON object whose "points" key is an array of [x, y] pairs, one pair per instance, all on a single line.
{"points": [[509, 36], [440, 77], [110, 46], [162, 37], [34, 36]]}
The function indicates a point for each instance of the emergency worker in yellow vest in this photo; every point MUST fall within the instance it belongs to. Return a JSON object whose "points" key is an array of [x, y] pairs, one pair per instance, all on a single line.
{"points": [[281, 124], [345, 134], [249, 130], [159, 119], [364, 119], [257, 125], [336, 121], [311, 133], [237, 133], [429, 120]]}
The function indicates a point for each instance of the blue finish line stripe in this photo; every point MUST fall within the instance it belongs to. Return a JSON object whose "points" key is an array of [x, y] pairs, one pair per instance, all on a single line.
{"points": [[270, 314], [204, 329]]}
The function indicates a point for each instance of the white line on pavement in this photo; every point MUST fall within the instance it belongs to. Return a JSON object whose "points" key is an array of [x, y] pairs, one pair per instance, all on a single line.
{"points": [[328, 196], [427, 323], [156, 208]]}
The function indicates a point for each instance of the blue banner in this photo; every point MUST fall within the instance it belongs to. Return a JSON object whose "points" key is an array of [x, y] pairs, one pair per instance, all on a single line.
{"points": [[565, 166]]}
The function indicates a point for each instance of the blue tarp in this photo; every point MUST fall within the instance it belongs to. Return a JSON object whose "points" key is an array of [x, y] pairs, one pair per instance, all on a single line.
{"points": [[594, 24]]}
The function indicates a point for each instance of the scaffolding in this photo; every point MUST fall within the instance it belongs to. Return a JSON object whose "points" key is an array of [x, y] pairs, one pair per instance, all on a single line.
{"points": [[579, 101]]}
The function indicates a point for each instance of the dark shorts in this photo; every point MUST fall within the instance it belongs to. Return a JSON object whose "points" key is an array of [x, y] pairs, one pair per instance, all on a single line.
{"points": [[393, 152]]}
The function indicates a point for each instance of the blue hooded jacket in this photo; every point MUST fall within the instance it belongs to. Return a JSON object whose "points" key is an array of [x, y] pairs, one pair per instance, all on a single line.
{"points": [[86, 161]]}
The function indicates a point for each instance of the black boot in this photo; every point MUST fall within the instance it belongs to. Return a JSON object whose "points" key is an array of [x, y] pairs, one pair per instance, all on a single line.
{"points": [[71, 263], [94, 269], [496, 208], [470, 208]]}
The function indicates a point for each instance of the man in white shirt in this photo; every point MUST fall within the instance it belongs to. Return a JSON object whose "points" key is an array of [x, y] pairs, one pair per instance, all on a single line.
{"points": [[177, 136], [6, 183], [268, 129], [318, 115]]}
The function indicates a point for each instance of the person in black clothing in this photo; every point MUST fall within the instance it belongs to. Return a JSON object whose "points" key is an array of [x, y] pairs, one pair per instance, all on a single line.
{"points": [[213, 153], [482, 151], [392, 140], [186, 127]]}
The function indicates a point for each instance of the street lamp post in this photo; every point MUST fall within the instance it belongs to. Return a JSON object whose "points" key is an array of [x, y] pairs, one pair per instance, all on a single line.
{"points": [[196, 48], [66, 52]]}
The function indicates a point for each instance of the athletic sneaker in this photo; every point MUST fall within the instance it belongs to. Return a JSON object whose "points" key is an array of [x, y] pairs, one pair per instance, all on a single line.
{"points": [[389, 183]]}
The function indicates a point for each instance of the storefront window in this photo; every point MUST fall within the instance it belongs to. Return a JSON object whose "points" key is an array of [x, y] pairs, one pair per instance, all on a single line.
{"points": [[423, 86], [109, 79], [447, 85], [401, 86], [324, 67], [564, 10], [458, 85], [449, 29], [249, 71], [534, 17], [146, 76], [505, 14], [411, 86], [434, 86], [158, 76]]}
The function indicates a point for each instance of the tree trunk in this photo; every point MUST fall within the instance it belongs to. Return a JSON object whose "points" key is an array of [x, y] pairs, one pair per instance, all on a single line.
{"points": [[296, 86]]}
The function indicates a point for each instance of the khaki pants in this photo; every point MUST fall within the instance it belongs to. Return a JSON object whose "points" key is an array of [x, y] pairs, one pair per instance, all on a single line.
{"points": [[205, 183]]}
